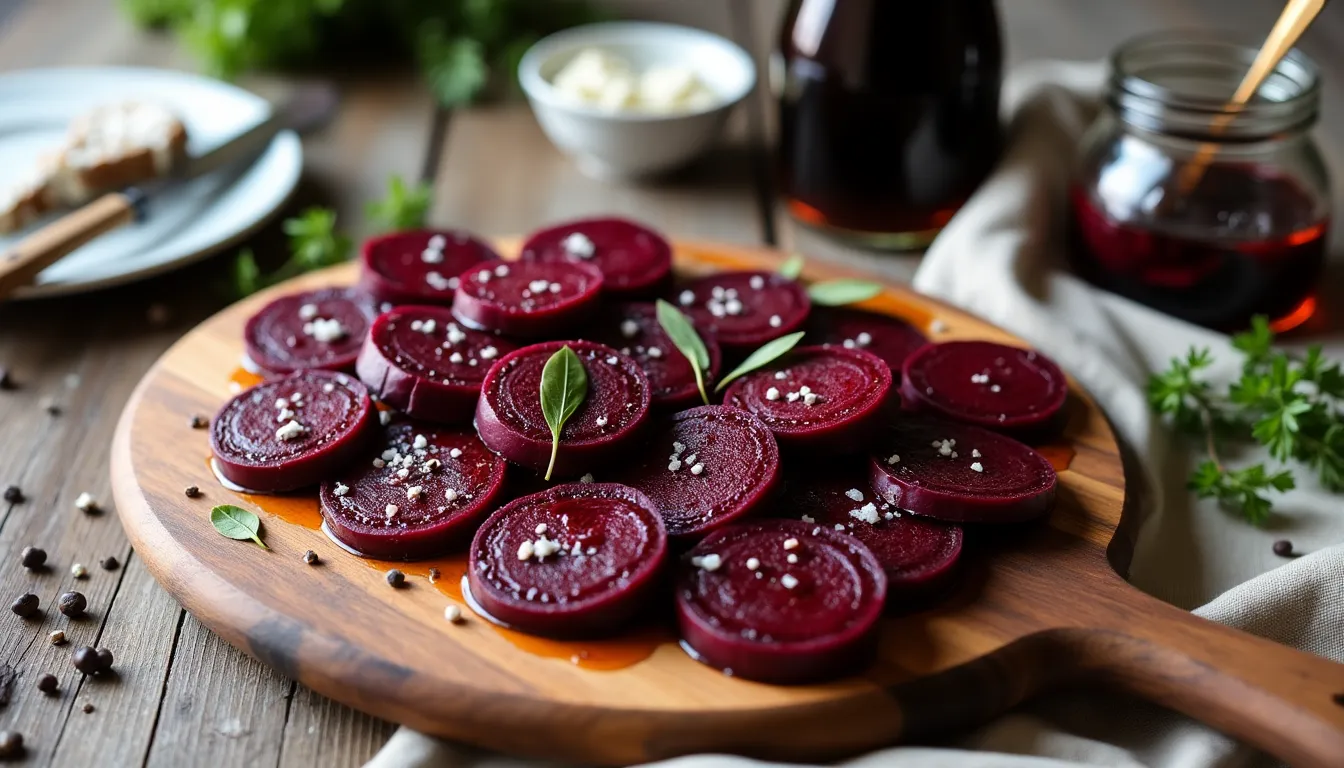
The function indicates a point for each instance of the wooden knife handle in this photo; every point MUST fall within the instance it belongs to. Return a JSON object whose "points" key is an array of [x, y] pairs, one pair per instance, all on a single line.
{"points": [[34, 253]]}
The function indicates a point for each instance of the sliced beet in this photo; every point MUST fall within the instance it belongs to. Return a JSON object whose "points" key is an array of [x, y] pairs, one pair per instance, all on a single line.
{"points": [[530, 299], [418, 360], [738, 464], [745, 309], [576, 560], [510, 421], [315, 329], [991, 385], [745, 608], [425, 490], [960, 473], [420, 267], [827, 398], [633, 328], [890, 338], [294, 432], [919, 555], [634, 260]]}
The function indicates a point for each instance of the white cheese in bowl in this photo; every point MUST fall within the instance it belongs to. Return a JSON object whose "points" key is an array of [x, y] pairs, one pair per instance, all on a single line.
{"points": [[601, 79]]}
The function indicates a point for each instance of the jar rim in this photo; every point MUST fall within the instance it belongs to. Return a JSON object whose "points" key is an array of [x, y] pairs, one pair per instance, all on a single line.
{"points": [[1181, 83]]}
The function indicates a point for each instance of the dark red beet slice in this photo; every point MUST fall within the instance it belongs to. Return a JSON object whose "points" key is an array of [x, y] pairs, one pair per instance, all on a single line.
{"points": [[420, 267], [529, 299], [738, 464], [420, 361], [745, 608], [634, 260], [817, 397], [980, 382], [510, 422], [426, 490], [633, 328], [745, 309], [293, 432], [890, 338], [919, 555], [573, 561], [317, 329], [957, 472]]}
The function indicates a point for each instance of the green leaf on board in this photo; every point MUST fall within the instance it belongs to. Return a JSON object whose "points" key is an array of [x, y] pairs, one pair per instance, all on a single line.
{"points": [[564, 386], [792, 267], [404, 207], [837, 293], [768, 353], [236, 523], [681, 331]]}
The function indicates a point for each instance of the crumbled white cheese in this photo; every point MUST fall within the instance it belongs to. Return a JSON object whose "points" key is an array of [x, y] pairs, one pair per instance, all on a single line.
{"points": [[686, 298], [85, 503], [854, 494], [455, 358], [772, 394], [788, 581], [710, 562], [325, 331], [612, 360], [753, 563], [414, 492], [544, 547], [555, 287], [525, 550], [864, 339], [655, 352], [483, 276], [341, 489], [437, 242], [431, 256], [697, 469], [810, 398], [978, 467], [792, 397], [601, 421], [489, 353], [384, 417], [629, 329], [808, 519], [420, 442], [308, 312], [776, 321], [995, 388], [403, 473], [867, 513], [281, 404], [781, 375], [678, 448], [450, 494], [392, 510], [502, 270], [790, 543], [756, 282], [455, 334], [975, 453], [453, 614], [328, 388], [285, 415], [439, 282], [674, 464], [587, 478], [455, 453], [793, 559], [540, 529], [379, 463], [578, 244], [292, 430]]}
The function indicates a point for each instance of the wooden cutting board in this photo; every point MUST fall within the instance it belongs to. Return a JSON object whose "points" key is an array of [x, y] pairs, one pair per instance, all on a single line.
{"points": [[1039, 606]]}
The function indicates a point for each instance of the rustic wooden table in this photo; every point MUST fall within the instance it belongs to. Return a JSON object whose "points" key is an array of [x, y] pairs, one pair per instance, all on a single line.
{"points": [[180, 693]]}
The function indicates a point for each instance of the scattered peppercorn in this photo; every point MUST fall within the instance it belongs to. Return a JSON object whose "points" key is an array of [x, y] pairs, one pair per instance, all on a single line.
{"points": [[13, 494], [33, 557], [79, 571], [57, 637], [396, 578], [86, 660], [191, 491], [310, 557], [11, 745], [72, 604], [25, 606], [1283, 548], [6, 381], [199, 422], [104, 660], [47, 683], [51, 407], [109, 563], [87, 708]]}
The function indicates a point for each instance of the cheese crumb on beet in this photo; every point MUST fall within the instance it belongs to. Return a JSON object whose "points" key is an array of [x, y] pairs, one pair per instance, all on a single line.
{"points": [[788, 581], [710, 562]]}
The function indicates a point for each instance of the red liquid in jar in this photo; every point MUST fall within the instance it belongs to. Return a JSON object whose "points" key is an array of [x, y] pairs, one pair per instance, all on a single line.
{"points": [[1243, 243]]}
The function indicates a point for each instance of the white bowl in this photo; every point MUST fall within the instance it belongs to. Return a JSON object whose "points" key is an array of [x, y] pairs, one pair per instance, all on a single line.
{"points": [[627, 144]]}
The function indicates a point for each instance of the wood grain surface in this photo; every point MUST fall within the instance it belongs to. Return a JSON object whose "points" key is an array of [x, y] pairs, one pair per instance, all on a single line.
{"points": [[1042, 604]]}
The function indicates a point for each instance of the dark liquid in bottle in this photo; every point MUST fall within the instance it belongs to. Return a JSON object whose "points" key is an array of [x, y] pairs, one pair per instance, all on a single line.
{"points": [[888, 113], [1243, 243]]}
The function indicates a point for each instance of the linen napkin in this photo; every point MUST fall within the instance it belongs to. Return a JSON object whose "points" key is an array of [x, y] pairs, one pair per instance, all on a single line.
{"points": [[1001, 258]]}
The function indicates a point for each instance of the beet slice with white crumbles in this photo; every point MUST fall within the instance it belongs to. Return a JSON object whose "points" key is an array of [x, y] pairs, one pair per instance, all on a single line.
{"points": [[781, 601], [1014, 390], [510, 421], [426, 490], [960, 473], [635, 261], [315, 329], [292, 433], [823, 398], [418, 360], [633, 328], [576, 560], [919, 555], [530, 299], [705, 467], [420, 267], [743, 310], [890, 338]]}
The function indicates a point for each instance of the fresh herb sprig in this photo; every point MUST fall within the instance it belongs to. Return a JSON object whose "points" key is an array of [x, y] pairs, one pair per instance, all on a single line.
{"points": [[1292, 405], [564, 386], [681, 331], [404, 207], [766, 354], [830, 293], [237, 523]]}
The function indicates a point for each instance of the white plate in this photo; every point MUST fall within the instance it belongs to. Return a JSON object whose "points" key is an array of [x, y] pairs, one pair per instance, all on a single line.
{"points": [[192, 221]]}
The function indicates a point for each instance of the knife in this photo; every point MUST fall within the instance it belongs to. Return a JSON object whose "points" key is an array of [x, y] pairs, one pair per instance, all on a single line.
{"points": [[44, 247]]}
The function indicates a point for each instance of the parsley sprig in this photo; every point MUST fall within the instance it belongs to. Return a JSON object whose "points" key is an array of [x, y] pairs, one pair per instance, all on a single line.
{"points": [[1292, 405]]}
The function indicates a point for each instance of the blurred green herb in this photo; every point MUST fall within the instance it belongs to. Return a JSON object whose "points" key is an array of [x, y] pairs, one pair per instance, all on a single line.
{"points": [[461, 46], [837, 293], [404, 207], [1289, 404], [792, 267]]}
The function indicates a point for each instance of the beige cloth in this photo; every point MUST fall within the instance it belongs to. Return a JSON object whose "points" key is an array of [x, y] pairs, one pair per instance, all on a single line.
{"points": [[1000, 258]]}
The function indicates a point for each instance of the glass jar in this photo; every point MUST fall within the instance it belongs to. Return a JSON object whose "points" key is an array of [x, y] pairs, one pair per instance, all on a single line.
{"points": [[1196, 209], [888, 114]]}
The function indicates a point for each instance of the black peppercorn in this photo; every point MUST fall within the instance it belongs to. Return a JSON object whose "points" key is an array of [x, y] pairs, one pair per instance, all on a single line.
{"points": [[25, 606], [11, 745], [47, 683], [33, 557], [1283, 548], [53, 409], [199, 422], [13, 494], [191, 491], [109, 564], [396, 578], [104, 660], [87, 708], [86, 660], [72, 604], [310, 557], [6, 381]]}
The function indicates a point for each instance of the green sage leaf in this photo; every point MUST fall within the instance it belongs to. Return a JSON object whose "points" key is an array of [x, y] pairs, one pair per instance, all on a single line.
{"points": [[236, 523], [768, 353], [792, 267], [836, 293], [564, 385], [681, 331]]}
